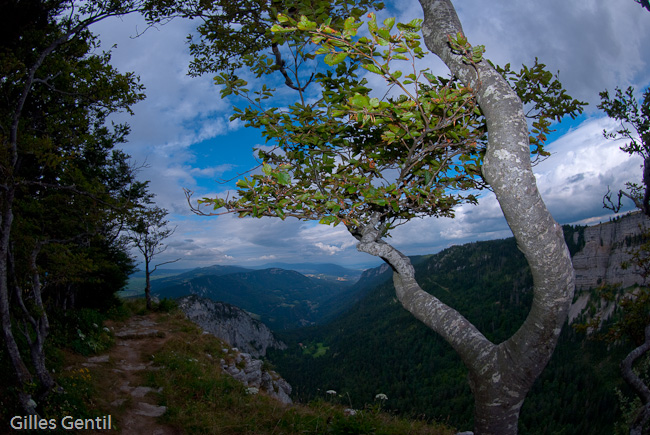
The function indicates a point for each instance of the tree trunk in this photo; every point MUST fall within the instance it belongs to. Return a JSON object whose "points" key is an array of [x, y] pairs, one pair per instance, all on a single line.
{"points": [[504, 376], [23, 376], [41, 328], [500, 376], [147, 288], [637, 384]]}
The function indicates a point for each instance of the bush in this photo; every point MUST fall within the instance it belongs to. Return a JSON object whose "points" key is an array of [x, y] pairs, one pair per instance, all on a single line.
{"points": [[166, 305], [82, 331]]}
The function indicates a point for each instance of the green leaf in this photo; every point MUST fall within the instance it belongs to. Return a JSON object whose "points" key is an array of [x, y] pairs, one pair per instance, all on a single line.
{"points": [[305, 24], [283, 178], [360, 101], [335, 58], [348, 26], [383, 33], [327, 220], [372, 68], [372, 24]]}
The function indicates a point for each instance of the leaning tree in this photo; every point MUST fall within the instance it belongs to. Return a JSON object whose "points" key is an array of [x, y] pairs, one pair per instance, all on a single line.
{"points": [[345, 155]]}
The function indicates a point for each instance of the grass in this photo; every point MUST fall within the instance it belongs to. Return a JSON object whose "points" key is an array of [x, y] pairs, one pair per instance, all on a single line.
{"points": [[200, 399]]}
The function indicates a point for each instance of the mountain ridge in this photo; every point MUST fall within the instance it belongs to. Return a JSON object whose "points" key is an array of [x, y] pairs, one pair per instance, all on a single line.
{"points": [[489, 282]]}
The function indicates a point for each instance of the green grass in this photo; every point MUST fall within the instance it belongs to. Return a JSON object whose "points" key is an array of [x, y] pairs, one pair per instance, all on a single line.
{"points": [[201, 399]]}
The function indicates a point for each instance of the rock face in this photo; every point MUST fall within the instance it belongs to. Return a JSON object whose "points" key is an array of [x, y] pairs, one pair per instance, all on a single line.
{"points": [[251, 372], [237, 328], [231, 324], [606, 247]]}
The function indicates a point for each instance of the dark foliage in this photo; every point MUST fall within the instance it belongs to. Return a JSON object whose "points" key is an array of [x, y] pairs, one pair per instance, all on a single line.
{"points": [[377, 347]]}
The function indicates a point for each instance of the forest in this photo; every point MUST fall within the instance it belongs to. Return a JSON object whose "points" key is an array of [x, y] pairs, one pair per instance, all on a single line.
{"points": [[422, 375]]}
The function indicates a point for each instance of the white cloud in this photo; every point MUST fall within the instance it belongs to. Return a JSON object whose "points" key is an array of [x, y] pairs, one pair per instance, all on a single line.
{"points": [[595, 44]]}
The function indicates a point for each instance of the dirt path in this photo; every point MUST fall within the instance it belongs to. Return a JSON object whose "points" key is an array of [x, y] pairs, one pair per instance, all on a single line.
{"points": [[122, 376]]}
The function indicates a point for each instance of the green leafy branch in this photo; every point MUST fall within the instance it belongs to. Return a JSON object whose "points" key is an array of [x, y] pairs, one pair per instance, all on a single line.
{"points": [[351, 157]]}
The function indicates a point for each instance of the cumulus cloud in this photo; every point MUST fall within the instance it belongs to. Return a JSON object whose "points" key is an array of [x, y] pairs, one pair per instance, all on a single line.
{"points": [[183, 133]]}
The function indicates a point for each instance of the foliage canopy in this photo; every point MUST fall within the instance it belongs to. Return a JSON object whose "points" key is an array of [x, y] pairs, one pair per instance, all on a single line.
{"points": [[346, 156]]}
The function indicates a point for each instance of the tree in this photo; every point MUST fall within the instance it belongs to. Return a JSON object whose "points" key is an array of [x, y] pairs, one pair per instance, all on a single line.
{"points": [[147, 231], [634, 118], [373, 163], [635, 128], [55, 197], [644, 4]]}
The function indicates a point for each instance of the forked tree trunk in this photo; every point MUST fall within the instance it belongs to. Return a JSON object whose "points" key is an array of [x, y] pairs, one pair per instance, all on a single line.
{"points": [[500, 375]]}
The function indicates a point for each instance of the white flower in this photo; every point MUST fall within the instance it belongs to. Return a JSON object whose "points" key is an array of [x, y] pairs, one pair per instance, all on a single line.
{"points": [[381, 396], [331, 392], [348, 412], [252, 390]]}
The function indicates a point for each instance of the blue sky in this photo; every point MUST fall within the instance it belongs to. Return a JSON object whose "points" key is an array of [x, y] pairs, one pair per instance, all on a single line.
{"points": [[183, 134]]}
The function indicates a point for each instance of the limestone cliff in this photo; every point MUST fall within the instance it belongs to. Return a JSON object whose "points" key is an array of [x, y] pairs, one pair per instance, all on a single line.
{"points": [[606, 247], [599, 262], [231, 324]]}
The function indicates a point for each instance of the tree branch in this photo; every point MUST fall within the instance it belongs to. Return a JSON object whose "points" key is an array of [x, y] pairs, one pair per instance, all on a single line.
{"points": [[466, 339], [635, 382]]}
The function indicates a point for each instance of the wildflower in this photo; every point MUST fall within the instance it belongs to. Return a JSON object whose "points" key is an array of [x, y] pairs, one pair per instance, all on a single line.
{"points": [[381, 396], [349, 412], [331, 392], [252, 390]]}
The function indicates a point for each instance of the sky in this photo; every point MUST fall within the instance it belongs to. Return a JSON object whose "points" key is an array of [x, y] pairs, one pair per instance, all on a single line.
{"points": [[183, 136]]}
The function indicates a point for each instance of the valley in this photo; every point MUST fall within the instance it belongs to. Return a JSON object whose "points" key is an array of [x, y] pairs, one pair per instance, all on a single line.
{"points": [[356, 339]]}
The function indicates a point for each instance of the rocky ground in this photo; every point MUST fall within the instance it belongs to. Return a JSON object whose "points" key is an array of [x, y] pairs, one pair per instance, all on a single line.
{"points": [[122, 376]]}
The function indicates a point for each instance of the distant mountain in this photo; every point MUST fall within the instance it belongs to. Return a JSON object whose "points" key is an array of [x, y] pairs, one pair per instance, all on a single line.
{"points": [[160, 273], [283, 299], [216, 270], [326, 271]]}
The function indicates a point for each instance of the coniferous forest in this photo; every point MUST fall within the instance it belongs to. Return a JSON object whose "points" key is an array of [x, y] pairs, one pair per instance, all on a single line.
{"points": [[378, 347]]}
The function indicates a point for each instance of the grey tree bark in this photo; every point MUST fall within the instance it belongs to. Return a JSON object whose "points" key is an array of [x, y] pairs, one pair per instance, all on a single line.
{"points": [[500, 375], [637, 384]]}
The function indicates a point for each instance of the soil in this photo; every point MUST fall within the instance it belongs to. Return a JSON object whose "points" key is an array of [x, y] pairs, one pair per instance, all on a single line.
{"points": [[120, 374]]}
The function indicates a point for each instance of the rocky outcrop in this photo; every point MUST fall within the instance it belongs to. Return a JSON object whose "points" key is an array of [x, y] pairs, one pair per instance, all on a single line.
{"points": [[251, 372], [606, 247], [248, 337], [231, 324]]}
